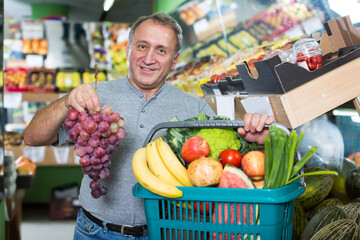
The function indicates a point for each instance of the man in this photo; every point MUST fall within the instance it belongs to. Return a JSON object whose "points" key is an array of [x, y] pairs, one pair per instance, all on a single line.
{"points": [[143, 99]]}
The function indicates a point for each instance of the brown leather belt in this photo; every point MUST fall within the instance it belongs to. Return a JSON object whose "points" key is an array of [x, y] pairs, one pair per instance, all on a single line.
{"points": [[126, 230]]}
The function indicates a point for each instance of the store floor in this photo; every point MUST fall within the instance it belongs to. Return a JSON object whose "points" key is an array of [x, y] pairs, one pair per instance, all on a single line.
{"points": [[36, 224]]}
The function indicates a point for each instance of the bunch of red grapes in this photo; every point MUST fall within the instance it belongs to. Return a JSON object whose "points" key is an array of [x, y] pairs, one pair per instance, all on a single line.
{"points": [[96, 136]]}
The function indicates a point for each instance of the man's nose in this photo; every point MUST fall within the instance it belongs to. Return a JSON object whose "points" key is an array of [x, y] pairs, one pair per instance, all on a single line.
{"points": [[149, 57]]}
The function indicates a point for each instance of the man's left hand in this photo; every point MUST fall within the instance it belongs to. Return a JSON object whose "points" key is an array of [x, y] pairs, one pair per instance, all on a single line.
{"points": [[253, 130]]}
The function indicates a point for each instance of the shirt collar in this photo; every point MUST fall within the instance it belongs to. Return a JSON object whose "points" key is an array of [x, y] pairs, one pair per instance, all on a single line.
{"points": [[164, 86]]}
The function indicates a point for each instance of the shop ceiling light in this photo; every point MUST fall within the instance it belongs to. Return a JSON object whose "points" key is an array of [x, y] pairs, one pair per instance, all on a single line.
{"points": [[108, 4]]}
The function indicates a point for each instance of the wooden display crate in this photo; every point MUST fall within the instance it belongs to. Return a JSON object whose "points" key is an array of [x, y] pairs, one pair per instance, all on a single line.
{"points": [[318, 96]]}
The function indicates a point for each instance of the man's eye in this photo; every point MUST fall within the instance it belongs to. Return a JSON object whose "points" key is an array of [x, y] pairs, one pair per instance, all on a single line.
{"points": [[142, 47], [162, 51]]}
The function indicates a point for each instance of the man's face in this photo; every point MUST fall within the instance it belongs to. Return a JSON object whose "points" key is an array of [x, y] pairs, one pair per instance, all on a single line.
{"points": [[151, 55]]}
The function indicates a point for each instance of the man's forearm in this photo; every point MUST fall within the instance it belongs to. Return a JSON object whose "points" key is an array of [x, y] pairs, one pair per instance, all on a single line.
{"points": [[44, 126]]}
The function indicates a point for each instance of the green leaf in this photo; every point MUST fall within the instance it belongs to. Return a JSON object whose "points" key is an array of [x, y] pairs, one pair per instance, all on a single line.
{"points": [[303, 160], [313, 173]]}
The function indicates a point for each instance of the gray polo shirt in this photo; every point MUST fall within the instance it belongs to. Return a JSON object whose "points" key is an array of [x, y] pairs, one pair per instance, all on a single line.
{"points": [[119, 206]]}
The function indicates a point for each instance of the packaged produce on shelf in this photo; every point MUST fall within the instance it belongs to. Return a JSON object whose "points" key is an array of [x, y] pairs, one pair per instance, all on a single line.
{"points": [[308, 54], [41, 80], [35, 46], [243, 39], [191, 14], [11, 138], [100, 55], [24, 165], [298, 11], [15, 79], [89, 76], [119, 61], [66, 80], [212, 49], [260, 29], [227, 46]]}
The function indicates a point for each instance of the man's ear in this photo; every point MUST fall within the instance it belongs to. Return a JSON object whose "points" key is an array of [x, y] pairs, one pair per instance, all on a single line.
{"points": [[175, 60]]}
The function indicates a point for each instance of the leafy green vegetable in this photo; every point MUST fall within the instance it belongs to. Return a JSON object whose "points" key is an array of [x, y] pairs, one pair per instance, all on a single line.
{"points": [[249, 146], [220, 139]]}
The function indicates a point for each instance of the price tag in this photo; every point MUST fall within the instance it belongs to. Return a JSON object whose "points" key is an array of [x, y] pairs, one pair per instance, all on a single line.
{"points": [[201, 26], [34, 60], [36, 154], [257, 105], [61, 154], [217, 91], [12, 100], [225, 106]]}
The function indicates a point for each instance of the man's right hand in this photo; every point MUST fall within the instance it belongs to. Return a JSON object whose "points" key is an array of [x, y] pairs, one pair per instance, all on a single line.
{"points": [[83, 97]]}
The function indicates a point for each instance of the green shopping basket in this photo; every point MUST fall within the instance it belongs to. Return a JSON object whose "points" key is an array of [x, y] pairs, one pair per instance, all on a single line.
{"points": [[220, 213]]}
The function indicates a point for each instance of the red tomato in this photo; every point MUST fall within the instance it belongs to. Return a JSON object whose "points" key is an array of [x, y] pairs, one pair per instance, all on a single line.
{"points": [[314, 60], [318, 58], [319, 65], [230, 156], [300, 57], [311, 66]]}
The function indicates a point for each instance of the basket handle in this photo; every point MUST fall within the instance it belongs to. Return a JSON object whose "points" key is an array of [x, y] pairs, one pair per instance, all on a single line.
{"points": [[203, 124]]}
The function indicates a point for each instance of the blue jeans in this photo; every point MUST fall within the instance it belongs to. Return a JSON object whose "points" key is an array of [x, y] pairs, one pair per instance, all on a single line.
{"points": [[86, 229]]}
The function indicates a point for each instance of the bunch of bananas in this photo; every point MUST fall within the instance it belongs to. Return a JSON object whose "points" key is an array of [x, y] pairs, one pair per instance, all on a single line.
{"points": [[157, 168]]}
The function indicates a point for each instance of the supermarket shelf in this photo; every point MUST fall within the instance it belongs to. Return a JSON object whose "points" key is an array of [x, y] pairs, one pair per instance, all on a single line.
{"points": [[47, 155], [37, 97]]}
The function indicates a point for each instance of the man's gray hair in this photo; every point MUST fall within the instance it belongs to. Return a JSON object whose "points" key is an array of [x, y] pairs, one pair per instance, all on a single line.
{"points": [[163, 19]]}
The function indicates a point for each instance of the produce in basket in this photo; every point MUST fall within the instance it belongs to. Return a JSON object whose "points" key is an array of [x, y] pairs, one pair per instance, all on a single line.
{"points": [[233, 177], [148, 180], [96, 136], [157, 169], [194, 148], [253, 165], [230, 156], [156, 164], [205, 172], [219, 139], [280, 166]]}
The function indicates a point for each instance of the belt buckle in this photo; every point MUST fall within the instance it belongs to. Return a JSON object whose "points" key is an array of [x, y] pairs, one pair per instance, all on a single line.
{"points": [[122, 230]]}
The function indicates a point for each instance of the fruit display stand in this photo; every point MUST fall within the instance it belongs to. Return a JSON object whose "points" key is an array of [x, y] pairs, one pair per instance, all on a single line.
{"points": [[253, 213]]}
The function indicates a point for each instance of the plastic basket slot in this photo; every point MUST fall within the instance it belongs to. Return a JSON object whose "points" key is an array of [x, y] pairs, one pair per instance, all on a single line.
{"points": [[183, 234], [288, 220]]}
